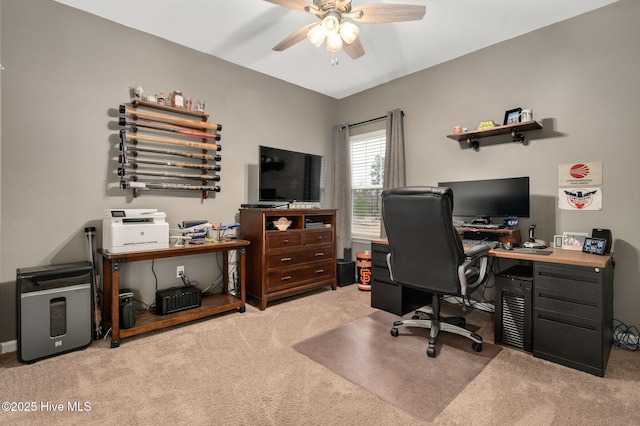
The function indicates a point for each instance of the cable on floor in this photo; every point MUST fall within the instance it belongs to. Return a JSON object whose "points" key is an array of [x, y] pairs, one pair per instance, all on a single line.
{"points": [[625, 337]]}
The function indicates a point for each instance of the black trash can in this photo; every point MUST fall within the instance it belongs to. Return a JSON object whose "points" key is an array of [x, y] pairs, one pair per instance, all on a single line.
{"points": [[346, 272]]}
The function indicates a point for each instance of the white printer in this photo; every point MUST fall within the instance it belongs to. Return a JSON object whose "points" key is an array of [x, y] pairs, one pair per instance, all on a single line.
{"points": [[129, 230]]}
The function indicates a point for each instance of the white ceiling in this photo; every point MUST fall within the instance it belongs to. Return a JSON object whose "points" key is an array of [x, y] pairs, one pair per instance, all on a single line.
{"points": [[244, 31]]}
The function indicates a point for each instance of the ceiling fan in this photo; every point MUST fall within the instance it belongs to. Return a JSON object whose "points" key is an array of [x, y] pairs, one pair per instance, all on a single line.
{"points": [[343, 35]]}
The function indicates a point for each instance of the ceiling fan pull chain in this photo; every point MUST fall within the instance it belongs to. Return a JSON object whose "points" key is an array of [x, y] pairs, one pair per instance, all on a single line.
{"points": [[334, 59]]}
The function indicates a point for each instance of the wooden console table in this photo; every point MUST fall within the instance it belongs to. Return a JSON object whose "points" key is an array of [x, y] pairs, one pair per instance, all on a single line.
{"points": [[211, 305]]}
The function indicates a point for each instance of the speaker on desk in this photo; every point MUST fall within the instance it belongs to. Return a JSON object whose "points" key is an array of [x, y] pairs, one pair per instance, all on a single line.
{"points": [[604, 234]]}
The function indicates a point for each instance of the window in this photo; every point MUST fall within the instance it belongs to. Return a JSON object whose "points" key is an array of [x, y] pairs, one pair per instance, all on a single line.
{"points": [[367, 171]]}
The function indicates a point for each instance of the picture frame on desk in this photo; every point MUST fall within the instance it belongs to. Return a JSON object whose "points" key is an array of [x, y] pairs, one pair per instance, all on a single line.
{"points": [[573, 240], [512, 116]]}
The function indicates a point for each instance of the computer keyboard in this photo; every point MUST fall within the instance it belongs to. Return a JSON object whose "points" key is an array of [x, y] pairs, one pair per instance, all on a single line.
{"points": [[469, 243], [483, 226]]}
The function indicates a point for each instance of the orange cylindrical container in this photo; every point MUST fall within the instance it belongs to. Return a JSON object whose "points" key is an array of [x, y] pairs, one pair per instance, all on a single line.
{"points": [[363, 264]]}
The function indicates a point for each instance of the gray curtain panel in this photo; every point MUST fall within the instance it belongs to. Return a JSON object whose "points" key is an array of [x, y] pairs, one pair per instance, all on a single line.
{"points": [[341, 193], [394, 171]]}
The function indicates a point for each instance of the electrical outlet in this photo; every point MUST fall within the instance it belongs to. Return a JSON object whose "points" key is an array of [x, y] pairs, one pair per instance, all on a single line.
{"points": [[179, 271]]}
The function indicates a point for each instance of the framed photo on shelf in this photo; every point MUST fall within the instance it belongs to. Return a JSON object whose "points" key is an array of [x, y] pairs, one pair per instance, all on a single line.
{"points": [[512, 116], [573, 240]]}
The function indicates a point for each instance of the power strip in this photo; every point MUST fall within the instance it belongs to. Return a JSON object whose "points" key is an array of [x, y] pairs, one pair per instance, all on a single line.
{"points": [[627, 338]]}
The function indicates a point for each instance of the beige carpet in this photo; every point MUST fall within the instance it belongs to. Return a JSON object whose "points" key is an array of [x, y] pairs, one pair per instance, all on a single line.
{"points": [[397, 369], [241, 369]]}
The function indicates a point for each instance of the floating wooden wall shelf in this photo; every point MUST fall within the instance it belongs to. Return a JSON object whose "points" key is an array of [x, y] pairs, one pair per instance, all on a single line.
{"points": [[515, 130]]}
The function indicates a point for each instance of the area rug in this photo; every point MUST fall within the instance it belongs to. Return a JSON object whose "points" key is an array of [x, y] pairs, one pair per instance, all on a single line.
{"points": [[397, 369]]}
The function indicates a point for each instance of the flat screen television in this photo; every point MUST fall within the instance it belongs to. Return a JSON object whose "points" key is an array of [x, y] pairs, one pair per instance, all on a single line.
{"points": [[289, 176], [508, 197]]}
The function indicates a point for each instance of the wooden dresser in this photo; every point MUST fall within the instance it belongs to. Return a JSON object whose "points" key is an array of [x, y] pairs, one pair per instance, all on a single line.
{"points": [[283, 263]]}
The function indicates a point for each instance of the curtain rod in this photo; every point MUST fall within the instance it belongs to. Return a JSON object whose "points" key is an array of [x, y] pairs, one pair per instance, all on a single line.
{"points": [[370, 121]]}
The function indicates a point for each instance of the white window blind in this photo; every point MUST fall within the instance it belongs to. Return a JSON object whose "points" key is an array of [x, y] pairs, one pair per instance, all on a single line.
{"points": [[367, 171]]}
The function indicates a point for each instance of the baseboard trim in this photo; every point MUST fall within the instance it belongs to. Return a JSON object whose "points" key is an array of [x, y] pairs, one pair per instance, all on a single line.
{"points": [[10, 346]]}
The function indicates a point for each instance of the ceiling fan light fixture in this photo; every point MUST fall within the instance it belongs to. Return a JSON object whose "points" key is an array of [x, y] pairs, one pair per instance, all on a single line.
{"points": [[334, 42], [316, 35], [349, 32], [331, 23]]}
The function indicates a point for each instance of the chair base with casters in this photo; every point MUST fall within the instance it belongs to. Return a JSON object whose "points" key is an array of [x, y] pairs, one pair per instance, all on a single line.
{"points": [[436, 323]]}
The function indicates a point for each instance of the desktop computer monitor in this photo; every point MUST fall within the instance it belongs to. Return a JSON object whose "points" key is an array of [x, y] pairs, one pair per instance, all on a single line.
{"points": [[507, 197]]}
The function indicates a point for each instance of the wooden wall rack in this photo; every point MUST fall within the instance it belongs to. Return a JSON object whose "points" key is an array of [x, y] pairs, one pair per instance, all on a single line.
{"points": [[173, 168]]}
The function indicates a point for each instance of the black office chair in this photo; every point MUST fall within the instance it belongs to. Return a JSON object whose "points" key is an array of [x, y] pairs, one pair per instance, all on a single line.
{"points": [[427, 254]]}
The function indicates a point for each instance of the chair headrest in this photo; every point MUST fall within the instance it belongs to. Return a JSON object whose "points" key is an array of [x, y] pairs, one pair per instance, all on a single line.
{"points": [[419, 191]]}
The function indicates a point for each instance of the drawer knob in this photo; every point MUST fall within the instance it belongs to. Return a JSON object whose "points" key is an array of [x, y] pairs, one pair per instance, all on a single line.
{"points": [[286, 241]]}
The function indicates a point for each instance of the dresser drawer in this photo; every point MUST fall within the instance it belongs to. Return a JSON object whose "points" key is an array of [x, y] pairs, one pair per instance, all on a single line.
{"points": [[290, 277], [320, 236], [296, 257], [278, 240]]}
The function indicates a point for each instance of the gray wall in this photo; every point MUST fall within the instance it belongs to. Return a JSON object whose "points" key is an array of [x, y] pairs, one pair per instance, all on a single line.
{"points": [[67, 70], [65, 74], [580, 77]]}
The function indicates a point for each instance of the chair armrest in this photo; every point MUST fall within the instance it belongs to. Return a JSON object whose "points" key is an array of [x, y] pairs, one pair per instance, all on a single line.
{"points": [[471, 257], [476, 252]]}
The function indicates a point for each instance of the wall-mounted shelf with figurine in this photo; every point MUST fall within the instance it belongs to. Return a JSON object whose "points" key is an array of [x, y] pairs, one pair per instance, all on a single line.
{"points": [[515, 129]]}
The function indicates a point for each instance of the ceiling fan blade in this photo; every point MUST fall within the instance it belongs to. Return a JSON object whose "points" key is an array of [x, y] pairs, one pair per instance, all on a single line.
{"points": [[380, 13], [355, 49], [294, 38], [299, 5]]}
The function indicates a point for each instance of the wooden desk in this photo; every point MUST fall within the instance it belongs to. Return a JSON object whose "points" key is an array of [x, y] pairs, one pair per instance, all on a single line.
{"points": [[211, 305], [566, 257], [570, 303]]}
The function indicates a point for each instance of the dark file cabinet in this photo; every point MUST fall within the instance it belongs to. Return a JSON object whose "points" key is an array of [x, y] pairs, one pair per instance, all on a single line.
{"points": [[387, 294], [573, 315]]}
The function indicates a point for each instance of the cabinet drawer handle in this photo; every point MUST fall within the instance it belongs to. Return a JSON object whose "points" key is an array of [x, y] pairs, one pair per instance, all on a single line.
{"points": [[320, 238], [288, 277], [286, 241], [285, 259], [319, 254], [319, 271]]}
